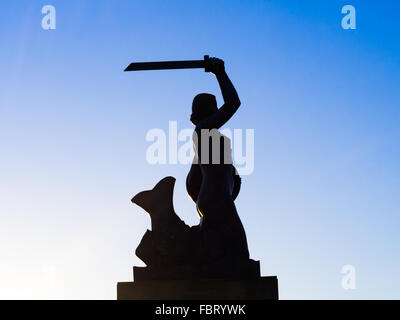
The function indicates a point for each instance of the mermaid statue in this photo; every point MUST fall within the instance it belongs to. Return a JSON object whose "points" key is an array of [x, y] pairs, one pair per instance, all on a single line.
{"points": [[217, 246]]}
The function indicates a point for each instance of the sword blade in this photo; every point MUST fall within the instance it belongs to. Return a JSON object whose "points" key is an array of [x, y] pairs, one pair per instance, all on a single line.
{"points": [[164, 65]]}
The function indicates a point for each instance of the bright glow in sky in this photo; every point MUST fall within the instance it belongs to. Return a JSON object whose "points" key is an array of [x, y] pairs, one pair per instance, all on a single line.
{"points": [[324, 103]]}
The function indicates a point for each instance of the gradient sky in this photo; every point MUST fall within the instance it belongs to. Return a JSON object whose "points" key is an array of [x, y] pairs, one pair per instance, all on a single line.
{"points": [[324, 103]]}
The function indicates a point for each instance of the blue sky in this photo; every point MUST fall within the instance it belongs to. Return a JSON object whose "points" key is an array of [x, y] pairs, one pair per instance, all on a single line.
{"points": [[323, 101]]}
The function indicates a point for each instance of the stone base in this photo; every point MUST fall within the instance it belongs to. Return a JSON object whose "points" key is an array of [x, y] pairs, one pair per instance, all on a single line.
{"points": [[263, 288], [242, 269]]}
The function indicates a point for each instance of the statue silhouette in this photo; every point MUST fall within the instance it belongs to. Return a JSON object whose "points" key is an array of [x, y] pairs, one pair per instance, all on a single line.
{"points": [[217, 247], [221, 228]]}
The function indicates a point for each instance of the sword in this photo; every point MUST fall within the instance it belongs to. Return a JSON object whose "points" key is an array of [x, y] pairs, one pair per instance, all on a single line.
{"points": [[163, 65]]}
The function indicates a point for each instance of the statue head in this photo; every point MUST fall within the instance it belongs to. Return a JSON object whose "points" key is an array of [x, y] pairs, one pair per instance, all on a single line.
{"points": [[204, 105]]}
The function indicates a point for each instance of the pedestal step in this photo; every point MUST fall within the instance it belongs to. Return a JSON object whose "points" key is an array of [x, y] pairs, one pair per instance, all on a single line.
{"points": [[263, 288]]}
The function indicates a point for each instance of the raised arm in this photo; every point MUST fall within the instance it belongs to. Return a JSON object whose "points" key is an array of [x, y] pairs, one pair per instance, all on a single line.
{"points": [[231, 98]]}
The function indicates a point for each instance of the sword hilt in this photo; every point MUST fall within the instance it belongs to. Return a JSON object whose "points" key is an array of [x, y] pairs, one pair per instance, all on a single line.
{"points": [[207, 63]]}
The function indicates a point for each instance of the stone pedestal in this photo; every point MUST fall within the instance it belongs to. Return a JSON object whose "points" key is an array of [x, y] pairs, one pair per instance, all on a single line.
{"points": [[263, 288]]}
